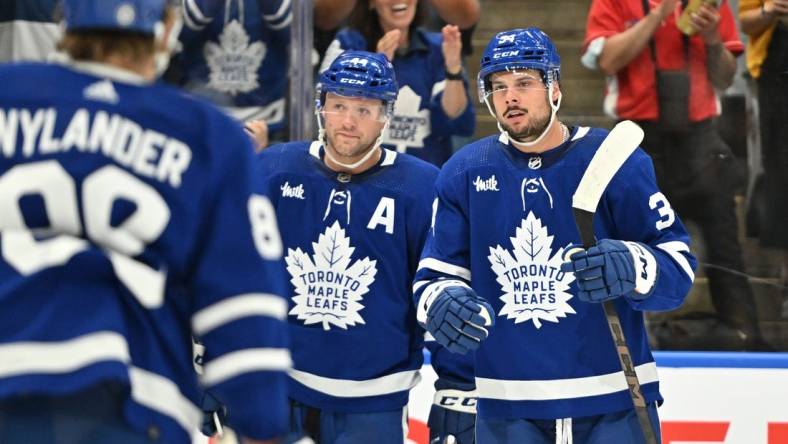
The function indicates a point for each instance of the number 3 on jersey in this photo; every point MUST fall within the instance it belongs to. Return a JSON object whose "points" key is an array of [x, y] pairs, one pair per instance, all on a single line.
{"points": [[667, 216]]}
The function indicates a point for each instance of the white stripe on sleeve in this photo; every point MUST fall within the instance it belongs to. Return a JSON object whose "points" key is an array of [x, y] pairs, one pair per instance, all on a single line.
{"points": [[245, 361], [675, 249], [236, 307], [445, 267], [19, 358]]}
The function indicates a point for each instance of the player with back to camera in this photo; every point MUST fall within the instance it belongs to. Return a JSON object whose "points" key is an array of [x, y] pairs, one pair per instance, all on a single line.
{"points": [[129, 226], [546, 370]]}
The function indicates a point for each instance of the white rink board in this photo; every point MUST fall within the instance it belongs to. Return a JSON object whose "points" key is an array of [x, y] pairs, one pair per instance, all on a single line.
{"points": [[730, 398], [731, 405]]}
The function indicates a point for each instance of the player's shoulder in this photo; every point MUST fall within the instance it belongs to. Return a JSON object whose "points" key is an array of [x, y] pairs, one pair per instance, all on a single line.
{"points": [[475, 154], [588, 141], [282, 157], [30, 76], [411, 165], [406, 175]]}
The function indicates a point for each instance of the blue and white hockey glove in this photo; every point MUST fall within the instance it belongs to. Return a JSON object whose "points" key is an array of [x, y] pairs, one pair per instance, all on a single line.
{"points": [[611, 269], [456, 317], [453, 416]]}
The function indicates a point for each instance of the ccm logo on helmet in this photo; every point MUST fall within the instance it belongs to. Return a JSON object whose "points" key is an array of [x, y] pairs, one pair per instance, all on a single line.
{"points": [[352, 81], [505, 54]]}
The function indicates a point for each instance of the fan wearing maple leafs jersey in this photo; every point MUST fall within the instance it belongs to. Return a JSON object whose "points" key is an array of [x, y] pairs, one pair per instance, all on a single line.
{"points": [[354, 217], [235, 54], [433, 102], [547, 369]]}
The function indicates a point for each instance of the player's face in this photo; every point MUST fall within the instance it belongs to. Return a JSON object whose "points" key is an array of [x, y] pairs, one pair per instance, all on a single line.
{"points": [[394, 14], [352, 125], [519, 99]]}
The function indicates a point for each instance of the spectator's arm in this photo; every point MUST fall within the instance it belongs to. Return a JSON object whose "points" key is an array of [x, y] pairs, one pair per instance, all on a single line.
{"points": [[330, 13], [755, 21], [455, 98], [621, 48], [463, 13], [721, 65], [720, 62]]}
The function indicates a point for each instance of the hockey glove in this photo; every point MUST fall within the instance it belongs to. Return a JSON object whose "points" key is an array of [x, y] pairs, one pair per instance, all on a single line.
{"points": [[453, 417], [457, 318], [611, 269]]}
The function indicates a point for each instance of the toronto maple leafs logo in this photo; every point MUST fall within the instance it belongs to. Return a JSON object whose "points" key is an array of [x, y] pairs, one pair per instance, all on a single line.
{"points": [[534, 288], [329, 289], [234, 62], [408, 126]]}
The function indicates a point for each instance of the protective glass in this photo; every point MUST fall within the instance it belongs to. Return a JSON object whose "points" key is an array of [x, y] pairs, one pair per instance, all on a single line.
{"points": [[337, 111], [520, 83]]}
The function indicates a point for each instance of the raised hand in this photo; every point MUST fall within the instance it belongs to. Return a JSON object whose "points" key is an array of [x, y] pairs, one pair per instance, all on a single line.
{"points": [[389, 43], [452, 48], [705, 21]]}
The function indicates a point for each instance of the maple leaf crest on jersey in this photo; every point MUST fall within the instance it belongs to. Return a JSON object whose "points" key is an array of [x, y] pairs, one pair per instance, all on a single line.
{"points": [[329, 289], [534, 288]]}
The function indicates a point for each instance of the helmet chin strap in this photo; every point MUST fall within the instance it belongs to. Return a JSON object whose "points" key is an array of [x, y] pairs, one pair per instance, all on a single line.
{"points": [[553, 111], [321, 137]]}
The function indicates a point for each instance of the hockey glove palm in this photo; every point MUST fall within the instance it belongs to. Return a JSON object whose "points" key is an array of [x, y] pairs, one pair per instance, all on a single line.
{"points": [[453, 417], [611, 269], [457, 318]]}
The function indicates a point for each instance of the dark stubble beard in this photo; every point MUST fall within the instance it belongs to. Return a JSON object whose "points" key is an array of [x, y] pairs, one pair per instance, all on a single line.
{"points": [[536, 125]]}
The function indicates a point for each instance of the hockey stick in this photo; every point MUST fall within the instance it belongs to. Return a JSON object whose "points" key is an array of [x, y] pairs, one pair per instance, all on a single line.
{"points": [[622, 141]]}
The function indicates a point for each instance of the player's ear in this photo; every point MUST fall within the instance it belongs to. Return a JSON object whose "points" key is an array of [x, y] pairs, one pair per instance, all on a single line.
{"points": [[556, 91]]}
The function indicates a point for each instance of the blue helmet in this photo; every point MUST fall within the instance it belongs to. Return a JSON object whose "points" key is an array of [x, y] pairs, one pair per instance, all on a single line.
{"points": [[359, 74], [120, 15], [527, 48]]}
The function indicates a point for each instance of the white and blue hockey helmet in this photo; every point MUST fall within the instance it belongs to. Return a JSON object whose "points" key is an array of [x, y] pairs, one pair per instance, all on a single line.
{"points": [[142, 16], [360, 74], [518, 49]]}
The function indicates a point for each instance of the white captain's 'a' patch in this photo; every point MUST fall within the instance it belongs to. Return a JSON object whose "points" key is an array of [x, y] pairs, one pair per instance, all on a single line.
{"points": [[329, 288], [533, 286]]}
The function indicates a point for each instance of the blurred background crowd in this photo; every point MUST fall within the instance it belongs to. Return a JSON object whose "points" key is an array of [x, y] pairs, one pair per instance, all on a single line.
{"points": [[713, 105]]}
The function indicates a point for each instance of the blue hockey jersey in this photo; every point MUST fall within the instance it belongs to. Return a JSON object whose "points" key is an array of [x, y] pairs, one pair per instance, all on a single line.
{"points": [[235, 52], [503, 221], [128, 227], [352, 244], [419, 125]]}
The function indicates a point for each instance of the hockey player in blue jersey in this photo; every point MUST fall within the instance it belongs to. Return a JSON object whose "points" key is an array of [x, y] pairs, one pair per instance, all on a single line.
{"points": [[362, 215], [546, 370], [129, 225]]}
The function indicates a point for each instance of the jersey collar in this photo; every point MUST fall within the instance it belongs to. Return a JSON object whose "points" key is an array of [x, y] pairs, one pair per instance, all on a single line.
{"points": [[316, 151], [544, 159]]}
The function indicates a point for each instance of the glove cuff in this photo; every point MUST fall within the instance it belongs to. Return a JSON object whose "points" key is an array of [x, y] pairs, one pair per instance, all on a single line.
{"points": [[456, 400], [430, 295], [645, 268]]}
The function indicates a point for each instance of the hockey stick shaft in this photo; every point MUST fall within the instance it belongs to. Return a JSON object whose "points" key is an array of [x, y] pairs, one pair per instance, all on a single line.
{"points": [[585, 224]]}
